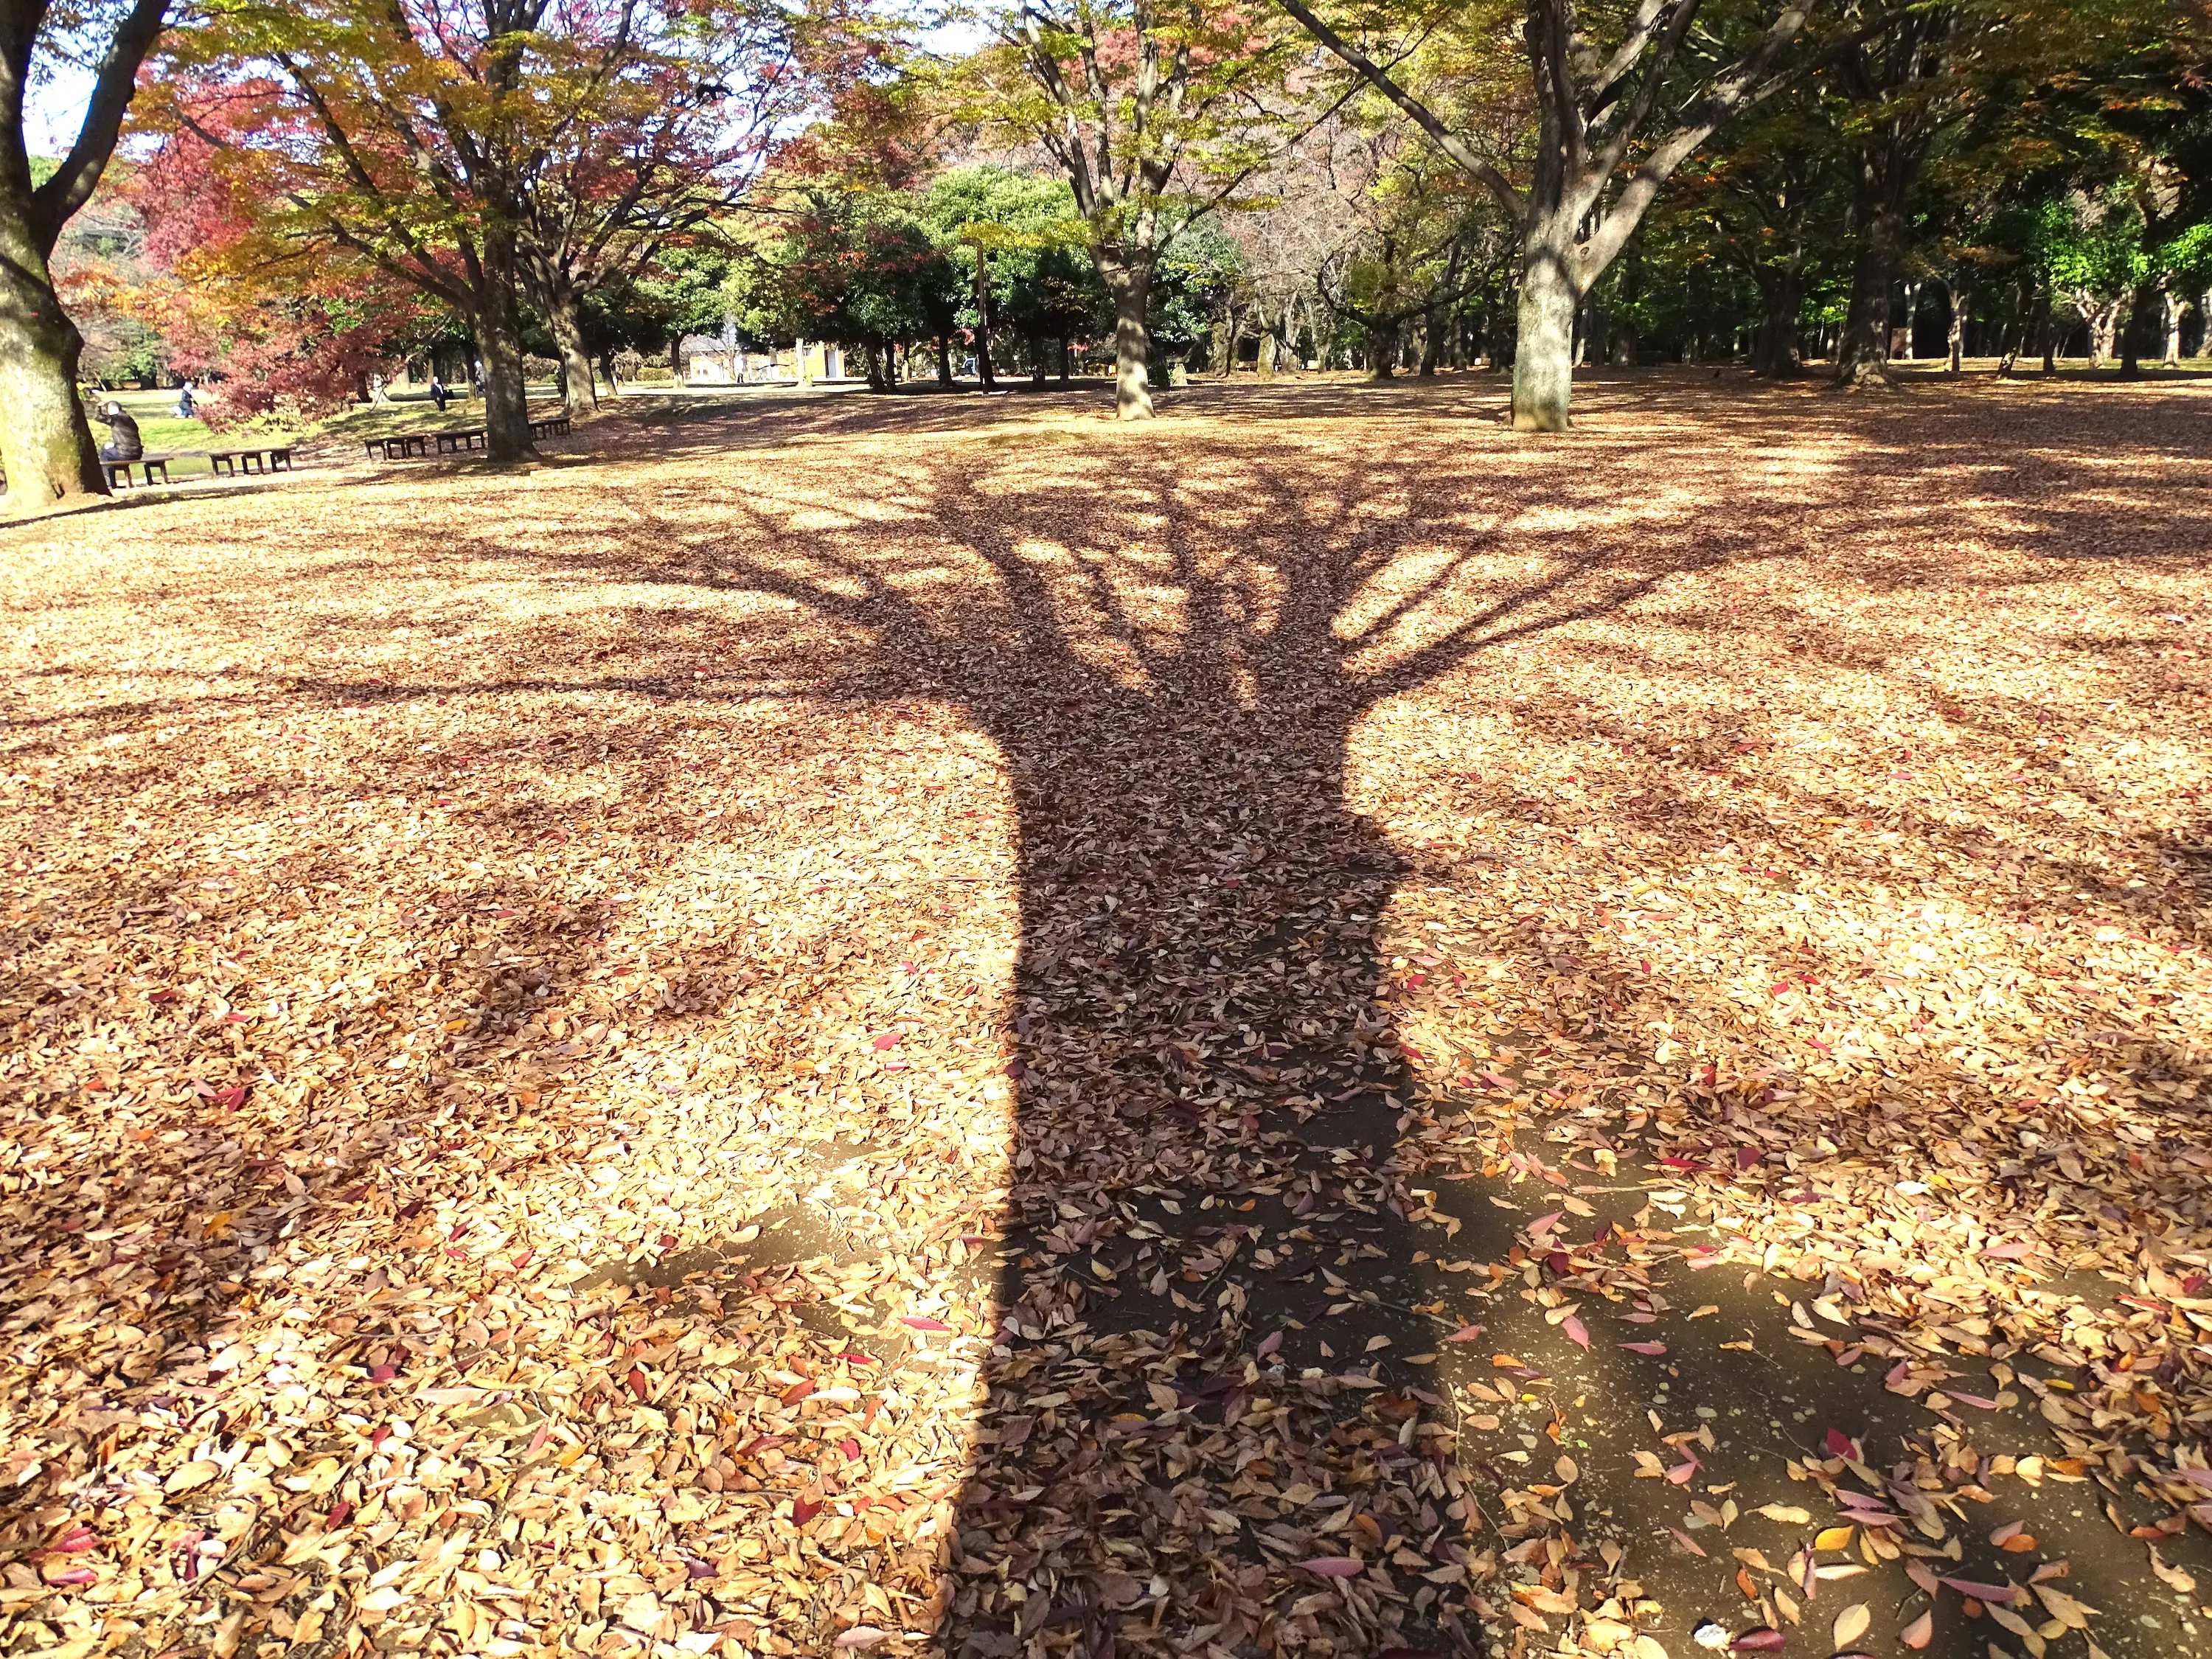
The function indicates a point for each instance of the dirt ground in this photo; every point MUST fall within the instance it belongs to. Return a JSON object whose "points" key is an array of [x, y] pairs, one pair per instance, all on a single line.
{"points": [[933, 1026]]}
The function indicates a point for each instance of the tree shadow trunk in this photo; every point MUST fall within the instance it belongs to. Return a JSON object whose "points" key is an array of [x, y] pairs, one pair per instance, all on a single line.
{"points": [[1209, 1293]]}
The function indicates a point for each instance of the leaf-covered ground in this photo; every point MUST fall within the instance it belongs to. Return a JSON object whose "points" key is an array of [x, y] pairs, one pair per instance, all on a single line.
{"points": [[935, 1027]]}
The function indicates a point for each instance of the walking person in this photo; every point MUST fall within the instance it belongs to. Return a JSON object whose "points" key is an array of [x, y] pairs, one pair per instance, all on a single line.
{"points": [[185, 401], [438, 393]]}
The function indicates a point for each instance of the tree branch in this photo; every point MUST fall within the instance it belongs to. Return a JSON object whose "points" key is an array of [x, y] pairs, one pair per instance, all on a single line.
{"points": [[1437, 134], [74, 181]]}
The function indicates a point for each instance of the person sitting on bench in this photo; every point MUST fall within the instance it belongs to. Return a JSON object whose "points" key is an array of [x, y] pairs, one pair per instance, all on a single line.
{"points": [[123, 442]]}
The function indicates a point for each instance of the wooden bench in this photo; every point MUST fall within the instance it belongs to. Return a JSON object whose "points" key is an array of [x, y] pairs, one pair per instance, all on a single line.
{"points": [[453, 441], [221, 464], [229, 463], [119, 472]]}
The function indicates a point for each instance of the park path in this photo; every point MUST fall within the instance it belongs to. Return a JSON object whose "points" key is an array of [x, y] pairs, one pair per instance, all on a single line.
{"points": [[912, 1026]]}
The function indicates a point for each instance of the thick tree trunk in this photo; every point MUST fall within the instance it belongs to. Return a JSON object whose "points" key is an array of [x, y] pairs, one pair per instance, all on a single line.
{"points": [[46, 444], [1774, 349], [1383, 350], [1065, 351], [1862, 356], [2175, 305], [944, 361], [1036, 359], [1128, 275], [1544, 350], [1959, 298], [498, 324], [564, 321]]}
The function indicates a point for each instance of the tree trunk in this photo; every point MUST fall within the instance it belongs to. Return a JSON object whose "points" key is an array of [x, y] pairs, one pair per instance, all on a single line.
{"points": [[983, 369], [2204, 324], [1065, 351], [2175, 305], [1128, 275], [564, 321], [1382, 348], [1036, 359], [1912, 318], [1544, 349], [45, 443], [1960, 298], [1862, 355], [1774, 349], [944, 361], [498, 325]]}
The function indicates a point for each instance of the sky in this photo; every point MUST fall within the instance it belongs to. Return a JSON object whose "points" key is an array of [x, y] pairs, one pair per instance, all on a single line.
{"points": [[56, 109]]}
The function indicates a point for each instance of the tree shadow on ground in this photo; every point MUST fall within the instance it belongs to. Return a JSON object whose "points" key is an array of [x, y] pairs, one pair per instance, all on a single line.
{"points": [[1228, 1412]]}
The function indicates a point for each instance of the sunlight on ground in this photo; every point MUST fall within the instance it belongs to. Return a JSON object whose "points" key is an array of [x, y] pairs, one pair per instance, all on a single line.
{"points": [[517, 1046]]}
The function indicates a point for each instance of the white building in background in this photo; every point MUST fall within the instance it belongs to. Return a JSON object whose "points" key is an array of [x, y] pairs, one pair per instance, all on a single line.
{"points": [[712, 361]]}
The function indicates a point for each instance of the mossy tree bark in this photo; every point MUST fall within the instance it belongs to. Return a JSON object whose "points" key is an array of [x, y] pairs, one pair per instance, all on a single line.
{"points": [[46, 444]]}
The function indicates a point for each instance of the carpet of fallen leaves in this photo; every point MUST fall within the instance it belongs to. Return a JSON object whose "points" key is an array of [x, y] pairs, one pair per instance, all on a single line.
{"points": [[831, 1025]]}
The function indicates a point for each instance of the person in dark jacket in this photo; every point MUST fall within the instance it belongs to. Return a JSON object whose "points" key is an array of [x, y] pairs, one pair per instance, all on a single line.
{"points": [[438, 393], [123, 441]]}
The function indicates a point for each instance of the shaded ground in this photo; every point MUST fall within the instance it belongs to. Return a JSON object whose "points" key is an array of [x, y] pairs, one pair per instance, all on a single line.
{"points": [[850, 1024]]}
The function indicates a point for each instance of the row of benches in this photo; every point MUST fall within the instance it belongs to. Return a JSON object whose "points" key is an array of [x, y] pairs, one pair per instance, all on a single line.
{"points": [[223, 462], [277, 458], [453, 441]]}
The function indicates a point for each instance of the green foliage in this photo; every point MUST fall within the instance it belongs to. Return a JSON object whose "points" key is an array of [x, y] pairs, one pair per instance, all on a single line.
{"points": [[2089, 246], [1025, 231]]}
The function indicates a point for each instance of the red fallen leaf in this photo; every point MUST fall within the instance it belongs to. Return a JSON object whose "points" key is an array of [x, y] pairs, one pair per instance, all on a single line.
{"points": [[1559, 1263], [1681, 1475], [1334, 1566], [340, 1511], [851, 1448], [1975, 1399], [2012, 1251], [232, 1098], [1497, 1082], [804, 1510], [668, 1241], [798, 1391], [1686, 1540], [381, 1433], [382, 1373], [2001, 1594], [1920, 1631], [1673, 1162], [855, 1358], [1748, 1156], [914, 1324], [638, 1384], [1764, 1639], [1649, 1350], [1465, 1334], [77, 1542], [1269, 1343], [73, 1577], [521, 1258], [1839, 1445], [888, 1040], [1577, 1332]]}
